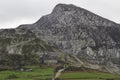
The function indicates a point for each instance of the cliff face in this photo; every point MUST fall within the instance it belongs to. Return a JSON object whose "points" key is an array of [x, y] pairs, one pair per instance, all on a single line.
{"points": [[80, 32]]}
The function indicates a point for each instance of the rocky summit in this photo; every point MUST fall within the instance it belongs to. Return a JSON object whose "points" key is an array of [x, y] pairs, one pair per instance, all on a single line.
{"points": [[72, 31]]}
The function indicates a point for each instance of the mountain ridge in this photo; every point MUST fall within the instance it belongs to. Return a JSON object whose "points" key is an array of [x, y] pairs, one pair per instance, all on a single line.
{"points": [[60, 8], [77, 31]]}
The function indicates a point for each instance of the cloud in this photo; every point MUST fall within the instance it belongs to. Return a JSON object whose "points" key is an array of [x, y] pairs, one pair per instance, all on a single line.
{"points": [[16, 12]]}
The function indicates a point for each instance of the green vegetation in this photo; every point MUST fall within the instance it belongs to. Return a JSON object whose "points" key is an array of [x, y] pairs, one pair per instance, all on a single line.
{"points": [[38, 73], [17, 60], [46, 73], [88, 76]]}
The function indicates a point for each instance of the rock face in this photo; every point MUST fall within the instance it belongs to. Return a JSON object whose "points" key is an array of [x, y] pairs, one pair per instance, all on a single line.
{"points": [[80, 32], [21, 41]]}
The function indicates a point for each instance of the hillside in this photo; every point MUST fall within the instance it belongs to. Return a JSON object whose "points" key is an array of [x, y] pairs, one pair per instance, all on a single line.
{"points": [[73, 31]]}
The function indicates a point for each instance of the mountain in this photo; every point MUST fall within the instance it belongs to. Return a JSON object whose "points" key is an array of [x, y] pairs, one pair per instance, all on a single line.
{"points": [[72, 30]]}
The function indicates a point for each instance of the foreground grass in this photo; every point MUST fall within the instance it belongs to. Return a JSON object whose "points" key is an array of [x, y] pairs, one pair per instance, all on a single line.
{"points": [[45, 73], [37, 74], [88, 76]]}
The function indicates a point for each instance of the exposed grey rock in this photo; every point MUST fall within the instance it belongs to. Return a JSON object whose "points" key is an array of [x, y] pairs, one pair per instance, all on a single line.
{"points": [[77, 31]]}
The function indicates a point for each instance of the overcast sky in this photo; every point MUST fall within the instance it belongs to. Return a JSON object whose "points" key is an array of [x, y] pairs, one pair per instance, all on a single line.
{"points": [[16, 12]]}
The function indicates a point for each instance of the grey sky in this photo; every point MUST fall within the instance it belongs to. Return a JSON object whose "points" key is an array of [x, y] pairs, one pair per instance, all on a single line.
{"points": [[16, 12]]}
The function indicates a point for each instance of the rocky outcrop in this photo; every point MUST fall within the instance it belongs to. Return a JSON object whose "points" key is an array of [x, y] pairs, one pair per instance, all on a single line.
{"points": [[80, 32], [22, 41]]}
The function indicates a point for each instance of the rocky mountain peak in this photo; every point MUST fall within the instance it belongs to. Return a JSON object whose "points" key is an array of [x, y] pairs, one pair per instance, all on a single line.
{"points": [[63, 7], [77, 31], [81, 15], [68, 14]]}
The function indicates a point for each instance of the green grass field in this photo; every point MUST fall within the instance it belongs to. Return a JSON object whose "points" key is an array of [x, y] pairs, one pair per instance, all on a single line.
{"points": [[88, 76], [37, 74], [46, 73]]}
